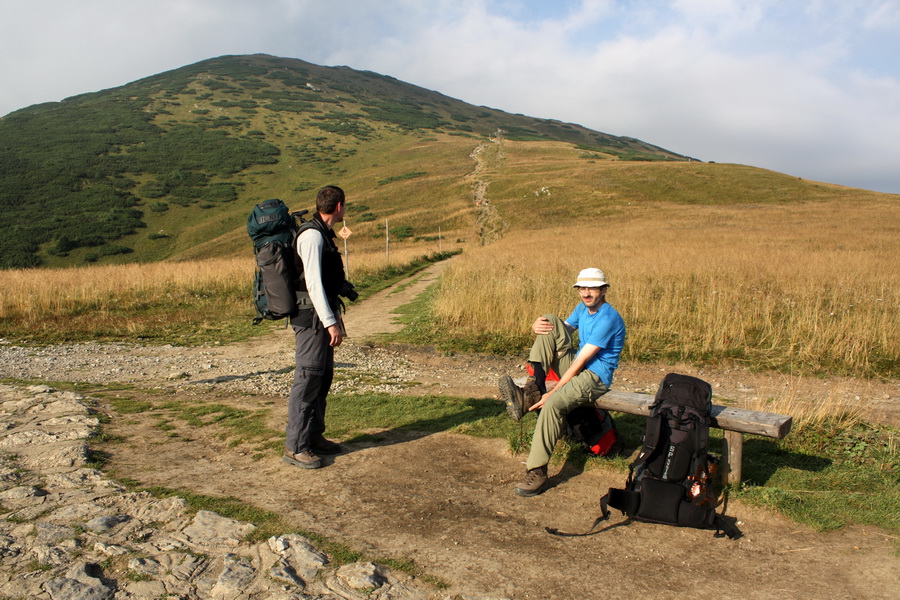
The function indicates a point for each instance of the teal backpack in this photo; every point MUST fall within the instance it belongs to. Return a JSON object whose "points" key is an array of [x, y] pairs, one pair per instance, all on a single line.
{"points": [[273, 229]]}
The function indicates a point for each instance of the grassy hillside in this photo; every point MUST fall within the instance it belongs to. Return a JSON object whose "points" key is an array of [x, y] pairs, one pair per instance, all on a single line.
{"points": [[152, 169]]}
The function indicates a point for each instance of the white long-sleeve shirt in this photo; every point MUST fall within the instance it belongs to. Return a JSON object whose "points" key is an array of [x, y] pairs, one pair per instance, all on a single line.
{"points": [[310, 246]]}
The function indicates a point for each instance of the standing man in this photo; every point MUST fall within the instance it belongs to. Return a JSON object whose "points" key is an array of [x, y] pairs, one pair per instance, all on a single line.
{"points": [[318, 330], [586, 374]]}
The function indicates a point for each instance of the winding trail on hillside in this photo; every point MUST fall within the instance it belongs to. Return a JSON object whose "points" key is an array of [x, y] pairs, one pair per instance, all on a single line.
{"points": [[489, 224]]}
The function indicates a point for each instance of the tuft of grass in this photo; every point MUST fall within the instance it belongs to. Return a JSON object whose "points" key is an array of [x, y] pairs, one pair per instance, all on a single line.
{"points": [[410, 175], [410, 567], [126, 405], [267, 523], [34, 565], [350, 415], [239, 425], [833, 411]]}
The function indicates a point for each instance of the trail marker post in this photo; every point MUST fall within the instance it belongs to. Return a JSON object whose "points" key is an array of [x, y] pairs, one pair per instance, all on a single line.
{"points": [[345, 233]]}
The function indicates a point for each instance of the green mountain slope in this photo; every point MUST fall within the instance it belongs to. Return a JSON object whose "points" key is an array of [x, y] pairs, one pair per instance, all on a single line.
{"points": [[165, 165]]}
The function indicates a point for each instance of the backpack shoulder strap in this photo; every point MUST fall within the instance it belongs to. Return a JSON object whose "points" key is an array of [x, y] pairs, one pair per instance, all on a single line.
{"points": [[306, 225], [651, 440], [604, 515]]}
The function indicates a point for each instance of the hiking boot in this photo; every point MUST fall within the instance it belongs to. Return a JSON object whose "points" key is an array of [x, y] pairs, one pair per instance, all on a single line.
{"points": [[519, 399], [532, 393], [304, 459], [322, 446], [533, 483]]}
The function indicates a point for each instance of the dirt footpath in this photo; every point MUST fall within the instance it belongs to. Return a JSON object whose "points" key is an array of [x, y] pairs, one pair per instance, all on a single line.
{"points": [[446, 501]]}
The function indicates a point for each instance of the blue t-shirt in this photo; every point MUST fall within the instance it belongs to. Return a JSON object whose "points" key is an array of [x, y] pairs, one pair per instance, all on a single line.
{"points": [[606, 329]]}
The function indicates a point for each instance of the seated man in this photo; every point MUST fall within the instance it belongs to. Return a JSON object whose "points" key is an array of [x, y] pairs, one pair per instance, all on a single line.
{"points": [[585, 374]]}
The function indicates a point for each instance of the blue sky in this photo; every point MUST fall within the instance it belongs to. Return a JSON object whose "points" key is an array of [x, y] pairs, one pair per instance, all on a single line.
{"points": [[810, 88]]}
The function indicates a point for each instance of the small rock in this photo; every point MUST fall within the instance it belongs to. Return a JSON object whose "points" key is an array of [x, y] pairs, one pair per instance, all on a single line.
{"points": [[362, 575], [104, 524], [82, 582]]}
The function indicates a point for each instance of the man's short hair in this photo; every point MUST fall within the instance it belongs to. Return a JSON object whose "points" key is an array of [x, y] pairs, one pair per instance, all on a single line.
{"points": [[328, 198]]}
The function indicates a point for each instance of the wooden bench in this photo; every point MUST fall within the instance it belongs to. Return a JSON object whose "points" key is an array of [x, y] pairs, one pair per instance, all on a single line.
{"points": [[734, 421]]}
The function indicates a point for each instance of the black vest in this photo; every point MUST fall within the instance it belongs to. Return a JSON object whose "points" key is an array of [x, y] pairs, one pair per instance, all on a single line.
{"points": [[332, 267]]}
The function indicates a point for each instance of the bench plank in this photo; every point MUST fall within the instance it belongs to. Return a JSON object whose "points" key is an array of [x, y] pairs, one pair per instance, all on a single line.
{"points": [[724, 417]]}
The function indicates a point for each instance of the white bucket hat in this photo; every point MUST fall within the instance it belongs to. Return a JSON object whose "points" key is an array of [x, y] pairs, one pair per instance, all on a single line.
{"points": [[591, 278]]}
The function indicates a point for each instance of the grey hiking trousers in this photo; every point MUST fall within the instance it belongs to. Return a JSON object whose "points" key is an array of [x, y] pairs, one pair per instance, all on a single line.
{"points": [[312, 381], [556, 351]]}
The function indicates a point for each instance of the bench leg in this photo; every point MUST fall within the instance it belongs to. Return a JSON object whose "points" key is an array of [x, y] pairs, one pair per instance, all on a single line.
{"points": [[732, 458]]}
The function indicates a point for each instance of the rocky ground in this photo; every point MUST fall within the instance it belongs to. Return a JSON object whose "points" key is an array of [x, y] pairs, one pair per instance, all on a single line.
{"points": [[443, 500]]}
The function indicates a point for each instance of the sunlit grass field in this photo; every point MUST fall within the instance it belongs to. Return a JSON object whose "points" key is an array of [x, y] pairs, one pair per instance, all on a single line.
{"points": [[709, 263], [809, 288]]}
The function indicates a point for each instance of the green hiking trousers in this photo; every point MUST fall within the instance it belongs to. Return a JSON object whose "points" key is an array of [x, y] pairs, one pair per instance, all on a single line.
{"points": [[556, 351]]}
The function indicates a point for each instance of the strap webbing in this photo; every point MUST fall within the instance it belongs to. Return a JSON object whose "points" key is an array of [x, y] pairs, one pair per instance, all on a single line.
{"points": [[604, 515]]}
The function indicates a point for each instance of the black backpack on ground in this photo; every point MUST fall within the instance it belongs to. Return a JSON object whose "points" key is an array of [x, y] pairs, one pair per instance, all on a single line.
{"points": [[273, 229], [595, 429], [673, 479]]}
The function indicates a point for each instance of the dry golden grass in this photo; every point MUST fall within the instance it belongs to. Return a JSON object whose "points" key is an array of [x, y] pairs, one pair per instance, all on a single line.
{"points": [[185, 301], [809, 286], [27, 294], [833, 409], [33, 293], [363, 264]]}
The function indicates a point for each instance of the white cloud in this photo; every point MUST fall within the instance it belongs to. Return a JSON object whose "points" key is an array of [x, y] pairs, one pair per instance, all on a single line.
{"points": [[726, 17], [882, 16]]}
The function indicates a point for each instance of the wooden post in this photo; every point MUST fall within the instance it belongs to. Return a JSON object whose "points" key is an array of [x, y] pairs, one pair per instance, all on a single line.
{"points": [[732, 454], [346, 254]]}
